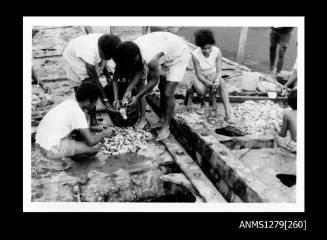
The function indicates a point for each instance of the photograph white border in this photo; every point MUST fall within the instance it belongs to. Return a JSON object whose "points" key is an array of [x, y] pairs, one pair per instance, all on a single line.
{"points": [[29, 22]]}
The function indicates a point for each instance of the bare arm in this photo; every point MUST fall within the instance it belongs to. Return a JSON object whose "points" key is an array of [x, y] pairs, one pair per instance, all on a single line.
{"points": [[135, 80], [90, 69], [154, 72], [115, 85], [283, 130], [219, 66], [107, 74], [292, 78], [198, 73], [91, 139]]}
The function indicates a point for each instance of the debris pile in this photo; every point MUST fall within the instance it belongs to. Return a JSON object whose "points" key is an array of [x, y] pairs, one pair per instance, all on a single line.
{"points": [[40, 100], [257, 118], [125, 140]]}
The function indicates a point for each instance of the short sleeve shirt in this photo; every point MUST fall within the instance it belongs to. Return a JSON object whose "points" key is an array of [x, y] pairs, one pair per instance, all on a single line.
{"points": [[152, 44], [207, 64], [59, 122]]}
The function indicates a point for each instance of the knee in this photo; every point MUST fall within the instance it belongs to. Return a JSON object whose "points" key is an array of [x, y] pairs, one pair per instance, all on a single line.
{"points": [[282, 51], [202, 92]]}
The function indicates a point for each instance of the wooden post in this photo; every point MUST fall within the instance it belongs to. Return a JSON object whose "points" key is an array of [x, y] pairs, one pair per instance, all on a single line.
{"points": [[241, 45], [112, 30]]}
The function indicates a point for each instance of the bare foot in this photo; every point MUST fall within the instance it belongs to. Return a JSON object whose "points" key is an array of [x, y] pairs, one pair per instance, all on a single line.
{"points": [[229, 120], [156, 125], [163, 134], [140, 124]]}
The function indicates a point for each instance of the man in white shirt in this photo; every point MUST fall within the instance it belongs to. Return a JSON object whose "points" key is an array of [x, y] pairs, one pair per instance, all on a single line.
{"points": [[54, 134], [167, 56], [86, 57]]}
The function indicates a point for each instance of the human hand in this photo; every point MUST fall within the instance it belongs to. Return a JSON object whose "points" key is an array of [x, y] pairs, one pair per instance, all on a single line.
{"points": [[108, 132], [108, 106], [127, 95], [133, 101], [116, 104]]}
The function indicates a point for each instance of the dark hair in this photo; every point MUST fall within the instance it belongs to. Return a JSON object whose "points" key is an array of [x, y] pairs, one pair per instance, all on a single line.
{"points": [[125, 59], [292, 100], [108, 44], [203, 37], [87, 90]]}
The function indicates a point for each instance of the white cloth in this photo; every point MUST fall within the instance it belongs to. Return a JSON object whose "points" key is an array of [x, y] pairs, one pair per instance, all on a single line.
{"points": [[153, 43], [83, 47], [176, 72], [59, 122], [207, 64], [176, 53]]}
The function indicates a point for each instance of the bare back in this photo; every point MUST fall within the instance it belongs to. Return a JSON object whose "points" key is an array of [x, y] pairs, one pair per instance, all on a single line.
{"points": [[292, 123]]}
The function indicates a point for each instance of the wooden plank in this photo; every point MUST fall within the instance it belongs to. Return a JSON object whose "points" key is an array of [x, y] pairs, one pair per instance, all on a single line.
{"points": [[252, 98], [241, 45], [207, 191]]}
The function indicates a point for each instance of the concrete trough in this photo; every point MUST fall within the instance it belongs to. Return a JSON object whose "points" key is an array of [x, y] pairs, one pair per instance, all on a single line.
{"points": [[237, 181]]}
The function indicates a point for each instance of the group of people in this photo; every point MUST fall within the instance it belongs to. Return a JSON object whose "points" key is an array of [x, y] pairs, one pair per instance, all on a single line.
{"points": [[157, 58]]}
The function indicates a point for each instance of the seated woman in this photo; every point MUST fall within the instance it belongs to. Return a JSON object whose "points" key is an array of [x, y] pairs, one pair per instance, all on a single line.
{"points": [[54, 134], [207, 61]]}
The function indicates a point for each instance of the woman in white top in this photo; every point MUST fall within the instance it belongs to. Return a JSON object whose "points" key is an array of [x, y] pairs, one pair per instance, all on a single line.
{"points": [[207, 61]]}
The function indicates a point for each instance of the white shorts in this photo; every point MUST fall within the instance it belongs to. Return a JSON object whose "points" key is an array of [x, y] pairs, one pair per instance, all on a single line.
{"points": [[175, 72], [74, 67], [66, 148]]}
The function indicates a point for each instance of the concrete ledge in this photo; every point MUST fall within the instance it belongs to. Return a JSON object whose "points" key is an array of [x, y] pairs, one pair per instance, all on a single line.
{"points": [[232, 177]]}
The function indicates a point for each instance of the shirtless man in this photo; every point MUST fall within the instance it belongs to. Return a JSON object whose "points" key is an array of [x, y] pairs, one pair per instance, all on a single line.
{"points": [[289, 123]]}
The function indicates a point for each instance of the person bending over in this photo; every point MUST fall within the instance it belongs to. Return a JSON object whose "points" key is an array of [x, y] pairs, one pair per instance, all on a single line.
{"points": [[86, 57], [166, 55]]}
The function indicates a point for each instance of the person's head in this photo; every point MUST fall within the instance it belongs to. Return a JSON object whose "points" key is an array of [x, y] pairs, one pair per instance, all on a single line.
{"points": [[107, 44], [205, 40], [128, 59], [87, 94], [292, 100]]}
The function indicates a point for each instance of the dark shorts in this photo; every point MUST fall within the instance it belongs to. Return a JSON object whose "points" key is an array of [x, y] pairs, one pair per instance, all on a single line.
{"points": [[283, 39]]}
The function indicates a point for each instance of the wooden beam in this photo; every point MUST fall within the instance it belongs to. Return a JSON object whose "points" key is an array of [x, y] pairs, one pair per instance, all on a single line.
{"points": [[203, 186], [241, 45]]}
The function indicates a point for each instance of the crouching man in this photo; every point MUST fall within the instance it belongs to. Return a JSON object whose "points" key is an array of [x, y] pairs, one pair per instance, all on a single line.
{"points": [[54, 134]]}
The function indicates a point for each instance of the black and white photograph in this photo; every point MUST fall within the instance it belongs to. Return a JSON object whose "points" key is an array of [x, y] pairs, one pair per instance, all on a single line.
{"points": [[129, 114]]}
